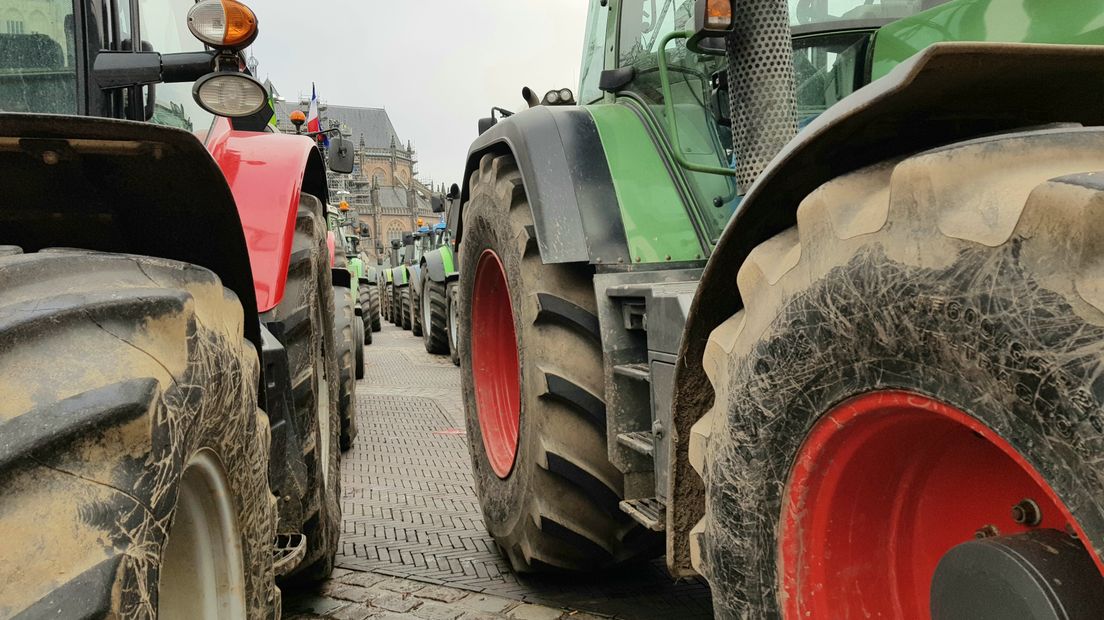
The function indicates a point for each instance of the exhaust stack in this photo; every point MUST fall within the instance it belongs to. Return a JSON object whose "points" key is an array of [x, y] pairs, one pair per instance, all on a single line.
{"points": [[762, 89]]}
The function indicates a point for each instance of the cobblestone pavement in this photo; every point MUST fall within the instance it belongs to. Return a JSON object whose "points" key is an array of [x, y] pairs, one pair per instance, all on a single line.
{"points": [[414, 544]]}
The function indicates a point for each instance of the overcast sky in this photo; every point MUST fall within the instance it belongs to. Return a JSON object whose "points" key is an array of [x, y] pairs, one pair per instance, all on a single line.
{"points": [[436, 66]]}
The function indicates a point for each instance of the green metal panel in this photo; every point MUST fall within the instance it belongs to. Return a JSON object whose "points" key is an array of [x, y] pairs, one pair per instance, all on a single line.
{"points": [[1011, 21], [448, 261], [357, 267], [657, 224]]}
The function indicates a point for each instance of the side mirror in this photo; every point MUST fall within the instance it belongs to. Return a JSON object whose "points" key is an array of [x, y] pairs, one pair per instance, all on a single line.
{"points": [[340, 155], [453, 193], [485, 124], [437, 202]]}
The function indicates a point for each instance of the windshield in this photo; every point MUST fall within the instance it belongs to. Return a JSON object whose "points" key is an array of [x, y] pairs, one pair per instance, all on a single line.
{"points": [[38, 58], [804, 12]]}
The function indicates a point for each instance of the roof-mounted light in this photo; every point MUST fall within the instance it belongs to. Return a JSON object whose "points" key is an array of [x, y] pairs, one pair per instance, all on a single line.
{"points": [[223, 24]]}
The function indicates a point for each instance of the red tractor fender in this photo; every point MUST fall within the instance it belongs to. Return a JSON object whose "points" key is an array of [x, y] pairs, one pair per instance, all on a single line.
{"points": [[266, 173]]}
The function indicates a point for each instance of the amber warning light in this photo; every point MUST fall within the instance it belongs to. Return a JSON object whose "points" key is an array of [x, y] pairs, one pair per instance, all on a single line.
{"points": [[718, 14], [223, 24]]}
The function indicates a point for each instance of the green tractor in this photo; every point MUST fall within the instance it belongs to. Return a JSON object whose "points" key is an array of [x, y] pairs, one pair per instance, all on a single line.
{"points": [[439, 282], [348, 328], [404, 277], [849, 372], [368, 305]]}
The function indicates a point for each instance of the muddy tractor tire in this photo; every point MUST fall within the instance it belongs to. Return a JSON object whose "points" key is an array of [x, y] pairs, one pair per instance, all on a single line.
{"points": [[304, 322], [134, 459], [433, 312], [404, 308], [452, 295], [533, 393], [927, 340], [345, 336]]}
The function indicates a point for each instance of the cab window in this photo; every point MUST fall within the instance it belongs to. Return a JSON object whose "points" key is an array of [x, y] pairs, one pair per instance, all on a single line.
{"points": [[165, 28], [38, 58]]}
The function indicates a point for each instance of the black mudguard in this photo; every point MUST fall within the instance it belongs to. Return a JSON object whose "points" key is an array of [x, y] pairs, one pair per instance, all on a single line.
{"points": [[435, 265], [124, 187], [949, 93], [567, 182]]}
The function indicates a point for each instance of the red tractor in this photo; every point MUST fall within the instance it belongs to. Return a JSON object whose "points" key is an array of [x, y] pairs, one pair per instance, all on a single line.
{"points": [[169, 428]]}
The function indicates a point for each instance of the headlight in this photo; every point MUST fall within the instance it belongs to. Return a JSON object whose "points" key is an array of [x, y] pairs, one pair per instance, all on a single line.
{"points": [[566, 96], [223, 24], [230, 94], [552, 97]]}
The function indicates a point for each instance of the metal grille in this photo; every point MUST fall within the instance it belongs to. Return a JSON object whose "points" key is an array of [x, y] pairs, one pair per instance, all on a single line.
{"points": [[761, 85]]}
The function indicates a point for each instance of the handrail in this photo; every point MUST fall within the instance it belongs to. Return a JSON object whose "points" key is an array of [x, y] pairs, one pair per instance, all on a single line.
{"points": [[669, 111]]}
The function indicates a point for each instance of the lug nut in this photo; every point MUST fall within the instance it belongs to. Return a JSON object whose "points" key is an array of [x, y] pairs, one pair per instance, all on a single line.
{"points": [[1027, 513], [987, 531]]}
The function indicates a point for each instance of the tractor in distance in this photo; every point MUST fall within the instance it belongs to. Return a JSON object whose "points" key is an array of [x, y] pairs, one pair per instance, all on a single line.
{"points": [[847, 372], [421, 241], [390, 294], [347, 236], [439, 281], [405, 255], [348, 327], [169, 416], [359, 264]]}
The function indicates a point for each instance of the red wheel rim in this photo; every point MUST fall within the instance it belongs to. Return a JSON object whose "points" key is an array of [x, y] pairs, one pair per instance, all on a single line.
{"points": [[884, 485], [495, 364]]}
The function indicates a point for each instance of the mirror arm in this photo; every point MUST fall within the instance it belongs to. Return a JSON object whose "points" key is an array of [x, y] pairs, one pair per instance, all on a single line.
{"points": [[186, 67]]}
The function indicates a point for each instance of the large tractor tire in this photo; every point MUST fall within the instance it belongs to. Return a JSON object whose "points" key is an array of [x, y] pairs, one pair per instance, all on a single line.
{"points": [[369, 310], [305, 321], [385, 304], [908, 409], [404, 308], [415, 311], [396, 307], [358, 348], [134, 459], [345, 335], [375, 294], [453, 296], [433, 312], [533, 393]]}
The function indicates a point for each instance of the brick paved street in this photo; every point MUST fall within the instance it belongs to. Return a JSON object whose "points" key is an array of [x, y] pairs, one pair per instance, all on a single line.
{"points": [[414, 544]]}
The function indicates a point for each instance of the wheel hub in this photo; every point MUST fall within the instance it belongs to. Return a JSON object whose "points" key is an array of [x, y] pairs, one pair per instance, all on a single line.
{"points": [[1043, 575], [883, 487], [494, 354]]}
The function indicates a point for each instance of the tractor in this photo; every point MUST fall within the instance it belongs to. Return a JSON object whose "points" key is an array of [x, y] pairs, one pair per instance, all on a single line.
{"points": [[439, 282], [405, 255], [422, 241], [804, 296], [348, 326], [169, 421]]}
